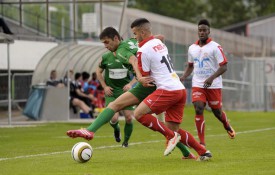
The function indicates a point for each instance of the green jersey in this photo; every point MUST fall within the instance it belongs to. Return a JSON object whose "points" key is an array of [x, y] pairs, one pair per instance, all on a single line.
{"points": [[125, 50], [116, 74]]}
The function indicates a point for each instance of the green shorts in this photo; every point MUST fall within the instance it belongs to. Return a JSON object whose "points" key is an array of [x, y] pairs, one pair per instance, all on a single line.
{"points": [[142, 92], [111, 99]]}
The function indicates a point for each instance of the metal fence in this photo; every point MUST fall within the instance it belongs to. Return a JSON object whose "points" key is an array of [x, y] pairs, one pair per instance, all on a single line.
{"points": [[249, 85], [3, 87], [21, 84]]}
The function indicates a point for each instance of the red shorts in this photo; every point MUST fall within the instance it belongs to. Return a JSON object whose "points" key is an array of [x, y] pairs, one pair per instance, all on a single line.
{"points": [[212, 96], [170, 102]]}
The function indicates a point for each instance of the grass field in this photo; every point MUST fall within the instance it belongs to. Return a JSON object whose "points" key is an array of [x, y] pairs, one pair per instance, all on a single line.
{"points": [[45, 149]]}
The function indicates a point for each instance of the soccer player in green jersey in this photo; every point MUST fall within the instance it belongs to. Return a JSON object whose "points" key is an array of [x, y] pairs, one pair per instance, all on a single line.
{"points": [[115, 81], [125, 51]]}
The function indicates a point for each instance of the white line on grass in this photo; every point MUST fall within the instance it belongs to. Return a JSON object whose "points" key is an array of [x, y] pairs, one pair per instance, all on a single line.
{"points": [[114, 146]]}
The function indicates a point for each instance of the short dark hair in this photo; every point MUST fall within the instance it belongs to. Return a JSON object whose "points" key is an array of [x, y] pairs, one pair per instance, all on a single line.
{"points": [[85, 75], [204, 22], [77, 75], [109, 32], [138, 22]]}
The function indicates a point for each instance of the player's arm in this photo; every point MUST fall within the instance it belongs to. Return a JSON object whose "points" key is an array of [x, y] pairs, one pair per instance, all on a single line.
{"points": [[222, 60], [190, 66], [107, 89], [134, 62], [187, 72], [82, 94], [144, 80], [160, 37], [220, 71]]}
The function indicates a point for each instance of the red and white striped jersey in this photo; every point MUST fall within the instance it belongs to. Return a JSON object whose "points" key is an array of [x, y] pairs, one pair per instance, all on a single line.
{"points": [[206, 60], [154, 60]]}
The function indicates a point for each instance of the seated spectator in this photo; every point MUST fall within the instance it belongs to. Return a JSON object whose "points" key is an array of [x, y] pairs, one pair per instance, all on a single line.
{"points": [[94, 83], [66, 79], [53, 81], [97, 91], [85, 84], [78, 98]]}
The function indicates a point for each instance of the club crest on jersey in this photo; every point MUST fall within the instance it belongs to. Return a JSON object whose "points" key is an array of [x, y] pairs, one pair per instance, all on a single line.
{"points": [[200, 63], [132, 45]]}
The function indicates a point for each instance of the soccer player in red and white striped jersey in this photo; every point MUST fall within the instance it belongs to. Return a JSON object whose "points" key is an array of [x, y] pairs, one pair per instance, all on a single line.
{"points": [[208, 62]]}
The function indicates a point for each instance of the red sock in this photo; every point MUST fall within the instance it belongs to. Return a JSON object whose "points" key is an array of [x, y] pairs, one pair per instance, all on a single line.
{"points": [[199, 120], [190, 141], [154, 124]]}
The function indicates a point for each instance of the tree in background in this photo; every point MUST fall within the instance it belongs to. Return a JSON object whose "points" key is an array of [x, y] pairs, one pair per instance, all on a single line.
{"points": [[221, 13], [187, 10]]}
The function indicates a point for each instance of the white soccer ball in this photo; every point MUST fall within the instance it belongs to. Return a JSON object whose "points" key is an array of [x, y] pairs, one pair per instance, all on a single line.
{"points": [[82, 152]]}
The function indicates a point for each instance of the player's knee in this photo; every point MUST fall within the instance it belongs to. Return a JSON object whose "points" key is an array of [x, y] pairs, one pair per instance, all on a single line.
{"points": [[114, 120], [137, 114], [128, 120], [115, 107], [129, 117], [217, 112], [199, 109]]}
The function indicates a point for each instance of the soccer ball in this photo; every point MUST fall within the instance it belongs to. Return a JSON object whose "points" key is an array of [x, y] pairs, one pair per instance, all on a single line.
{"points": [[82, 152]]}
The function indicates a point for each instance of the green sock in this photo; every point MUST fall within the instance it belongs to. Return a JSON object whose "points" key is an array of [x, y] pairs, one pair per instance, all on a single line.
{"points": [[104, 117], [184, 150], [115, 126], [128, 129]]}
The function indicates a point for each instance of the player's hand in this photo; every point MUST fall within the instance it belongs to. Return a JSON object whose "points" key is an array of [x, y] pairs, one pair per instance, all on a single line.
{"points": [[127, 87], [208, 82], [182, 78], [91, 97], [108, 91], [147, 81]]}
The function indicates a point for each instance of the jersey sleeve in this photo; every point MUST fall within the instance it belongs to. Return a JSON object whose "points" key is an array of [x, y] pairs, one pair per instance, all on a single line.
{"points": [[219, 55], [143, 63], [124, 55], [103, 62]]}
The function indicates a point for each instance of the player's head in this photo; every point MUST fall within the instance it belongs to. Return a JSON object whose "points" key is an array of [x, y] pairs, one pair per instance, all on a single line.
{"points": [[85, 76], [141, 28], [77, 76], [94, 76], [53, 74], [203, 29], [110, 38]]}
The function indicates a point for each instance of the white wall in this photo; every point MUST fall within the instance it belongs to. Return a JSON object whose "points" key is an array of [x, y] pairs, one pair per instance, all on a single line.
{"points": [[24, 55]]}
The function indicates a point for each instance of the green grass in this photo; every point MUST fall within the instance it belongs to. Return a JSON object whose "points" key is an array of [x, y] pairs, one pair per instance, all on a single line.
{"points": [[45, 149]]}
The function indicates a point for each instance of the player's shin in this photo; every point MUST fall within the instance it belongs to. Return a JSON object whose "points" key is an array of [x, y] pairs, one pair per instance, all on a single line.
{"points": [[128, 129], [154, 124], [199, 121], [104, 117], [184, 150], [190, 141]]}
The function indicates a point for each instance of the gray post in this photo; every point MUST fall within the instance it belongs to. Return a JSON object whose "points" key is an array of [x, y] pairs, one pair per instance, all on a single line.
{"points": [[9, 82]]}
